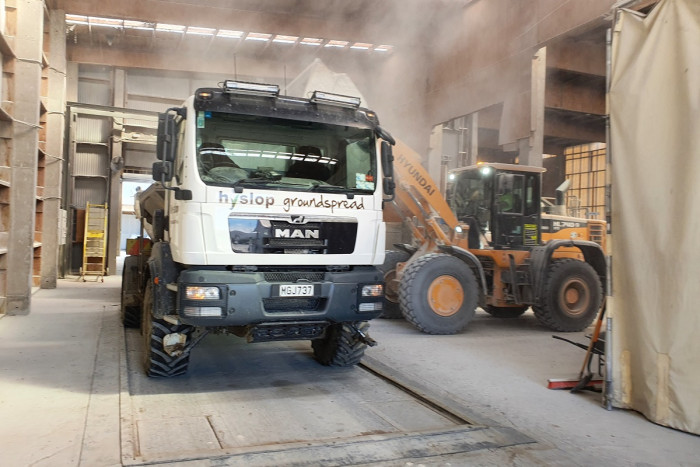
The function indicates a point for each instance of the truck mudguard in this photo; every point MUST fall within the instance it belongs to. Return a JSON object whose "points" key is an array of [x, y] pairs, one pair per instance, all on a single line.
{"points": [[163, 271]]}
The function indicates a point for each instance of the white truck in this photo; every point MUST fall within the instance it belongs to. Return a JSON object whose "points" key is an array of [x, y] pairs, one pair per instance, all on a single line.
{"points": [[265, 222]]}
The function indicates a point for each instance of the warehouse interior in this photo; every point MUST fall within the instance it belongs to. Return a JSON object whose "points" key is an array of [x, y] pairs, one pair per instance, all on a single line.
{"points": [[461, 82]]}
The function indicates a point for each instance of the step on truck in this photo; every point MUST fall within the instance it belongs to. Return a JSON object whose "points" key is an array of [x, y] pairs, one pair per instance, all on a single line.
{"points": [[265, 222]]}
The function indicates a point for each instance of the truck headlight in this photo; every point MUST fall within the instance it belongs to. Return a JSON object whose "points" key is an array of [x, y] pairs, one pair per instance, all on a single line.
{"points": [[202, 293], [376, 290]]}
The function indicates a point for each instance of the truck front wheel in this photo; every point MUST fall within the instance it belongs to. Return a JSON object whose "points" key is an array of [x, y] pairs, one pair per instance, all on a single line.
{"points": [[165, 351], [341, 345], [572, 296], [438, 294]]}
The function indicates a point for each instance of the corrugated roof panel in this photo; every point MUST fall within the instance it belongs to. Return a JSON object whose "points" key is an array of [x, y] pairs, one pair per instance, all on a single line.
{"points": [[93, 129], [91, 190], [91, 161], [97, 93]]}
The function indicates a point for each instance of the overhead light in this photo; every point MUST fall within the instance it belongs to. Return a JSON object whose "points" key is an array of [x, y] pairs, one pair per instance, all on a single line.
{"points": [[311, 41], [141, 25], [285, 39], [383, 48], [110, 22], [338, 44], [229, 34], [76, 19], [170, 27], [361, 46], [200, 31], [255, 89], [320, 97], [258, 36]]}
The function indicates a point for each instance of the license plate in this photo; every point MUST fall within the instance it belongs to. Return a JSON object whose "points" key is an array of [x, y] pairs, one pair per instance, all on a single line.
{"points": [[296, 290]]}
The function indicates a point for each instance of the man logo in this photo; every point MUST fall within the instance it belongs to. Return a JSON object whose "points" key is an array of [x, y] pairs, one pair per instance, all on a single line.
{"points": [[297, 220], [297, 233]]}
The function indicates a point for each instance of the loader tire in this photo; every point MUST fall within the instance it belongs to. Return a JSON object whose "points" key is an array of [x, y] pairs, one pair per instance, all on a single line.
{"points": [[505, 312], [340, 347], [391, 307], [572, 297], [156, 361], [438, 294]]}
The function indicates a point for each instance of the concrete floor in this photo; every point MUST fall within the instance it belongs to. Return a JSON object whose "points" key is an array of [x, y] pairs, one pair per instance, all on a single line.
{"points": [[72, 394]]}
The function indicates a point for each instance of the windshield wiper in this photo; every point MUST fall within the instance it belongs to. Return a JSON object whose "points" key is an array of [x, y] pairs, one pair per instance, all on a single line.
{"points": [[322, 188]]}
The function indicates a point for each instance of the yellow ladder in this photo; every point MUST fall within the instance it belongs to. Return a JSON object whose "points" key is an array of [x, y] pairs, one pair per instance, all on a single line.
{"points": [[95, 242]]}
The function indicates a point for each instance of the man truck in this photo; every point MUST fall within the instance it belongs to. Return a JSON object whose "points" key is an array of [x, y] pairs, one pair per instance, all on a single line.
{"points": [[265, 222]]}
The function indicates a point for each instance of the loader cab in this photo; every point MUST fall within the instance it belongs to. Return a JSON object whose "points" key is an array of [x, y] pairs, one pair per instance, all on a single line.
{"points": [[499, 202]]}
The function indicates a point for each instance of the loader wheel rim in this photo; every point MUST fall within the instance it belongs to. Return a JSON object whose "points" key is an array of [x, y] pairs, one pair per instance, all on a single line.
{"points": [[445, 295], [575, 297]]}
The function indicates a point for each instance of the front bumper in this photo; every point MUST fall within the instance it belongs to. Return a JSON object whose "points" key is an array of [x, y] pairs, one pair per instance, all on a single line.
{"points": [[252, 298]]}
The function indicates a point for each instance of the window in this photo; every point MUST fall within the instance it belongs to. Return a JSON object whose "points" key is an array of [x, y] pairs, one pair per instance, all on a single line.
{"points": [[295, 155]]}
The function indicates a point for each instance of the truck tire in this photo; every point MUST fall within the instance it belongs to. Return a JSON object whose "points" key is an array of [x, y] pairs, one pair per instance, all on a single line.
{"points": [[340, 346], [438, 294], [156, 361], [130, 314], [572, 297], [505, 312], [391, 307]]}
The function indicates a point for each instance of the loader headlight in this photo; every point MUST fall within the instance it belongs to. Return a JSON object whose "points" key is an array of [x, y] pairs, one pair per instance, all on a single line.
{"points": [[375, 290], [202, 293]]}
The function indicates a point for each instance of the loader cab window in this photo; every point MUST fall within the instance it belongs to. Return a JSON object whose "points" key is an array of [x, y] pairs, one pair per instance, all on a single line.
{"points": [[293, 155], [469, 195], [517, 197]]}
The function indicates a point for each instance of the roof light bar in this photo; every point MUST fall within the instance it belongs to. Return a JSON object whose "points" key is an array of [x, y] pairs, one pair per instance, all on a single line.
{"points": [[320, 97], [253, 89]]}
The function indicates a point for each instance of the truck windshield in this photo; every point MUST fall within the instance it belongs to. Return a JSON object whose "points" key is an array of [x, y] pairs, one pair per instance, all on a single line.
{"points": [[245, 150]]}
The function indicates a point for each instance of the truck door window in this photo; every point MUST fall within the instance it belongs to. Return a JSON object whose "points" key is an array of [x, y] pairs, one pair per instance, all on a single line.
{"points": [[179, 159]]}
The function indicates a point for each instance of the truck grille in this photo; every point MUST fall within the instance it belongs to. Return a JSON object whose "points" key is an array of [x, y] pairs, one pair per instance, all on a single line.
{"points": [[250, 235], [294, 276]]}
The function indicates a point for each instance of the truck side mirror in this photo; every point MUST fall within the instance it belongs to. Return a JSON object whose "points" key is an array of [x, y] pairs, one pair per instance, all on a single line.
{"points": [[388, 169], [162, 171], [165, 142]]}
